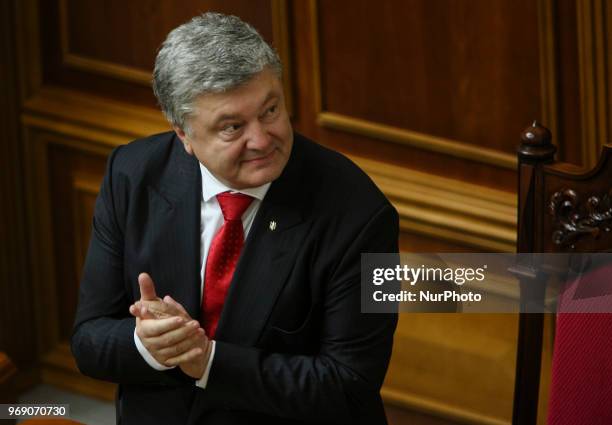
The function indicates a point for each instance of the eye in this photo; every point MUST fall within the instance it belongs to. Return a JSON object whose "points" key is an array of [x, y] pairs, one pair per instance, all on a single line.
{"points": [[270, 112], [231, 129]]}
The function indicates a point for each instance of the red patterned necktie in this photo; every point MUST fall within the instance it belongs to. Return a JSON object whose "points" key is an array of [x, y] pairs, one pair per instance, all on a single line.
{"points": [[222, 258]]}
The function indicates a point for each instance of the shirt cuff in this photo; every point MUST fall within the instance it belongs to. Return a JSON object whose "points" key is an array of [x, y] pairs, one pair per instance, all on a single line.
{"points": [[204, 380], [147, 356]]}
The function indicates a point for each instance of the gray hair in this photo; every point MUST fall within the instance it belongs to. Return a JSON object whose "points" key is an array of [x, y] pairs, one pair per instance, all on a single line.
{"points": [[211, 53]]}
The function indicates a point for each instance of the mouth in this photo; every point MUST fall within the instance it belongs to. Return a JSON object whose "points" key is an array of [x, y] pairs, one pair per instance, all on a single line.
{"points": [[261, 159]]}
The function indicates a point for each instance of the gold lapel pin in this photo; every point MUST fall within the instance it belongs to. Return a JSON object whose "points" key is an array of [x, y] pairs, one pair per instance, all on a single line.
{"points": [[273, 225]]}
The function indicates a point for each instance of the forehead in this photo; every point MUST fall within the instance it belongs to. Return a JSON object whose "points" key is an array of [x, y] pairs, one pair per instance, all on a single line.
{"points": [[241, 101]]}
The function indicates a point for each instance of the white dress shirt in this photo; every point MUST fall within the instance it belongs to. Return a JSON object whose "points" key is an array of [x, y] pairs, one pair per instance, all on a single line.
{"points": [[211, 220]]}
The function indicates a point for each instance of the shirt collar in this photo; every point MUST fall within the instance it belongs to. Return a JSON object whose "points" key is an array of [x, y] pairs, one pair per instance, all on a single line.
{"points": [[211, 187]]}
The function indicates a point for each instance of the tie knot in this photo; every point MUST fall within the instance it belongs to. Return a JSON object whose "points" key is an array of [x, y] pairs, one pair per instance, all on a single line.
{"points": [[233, 205]]}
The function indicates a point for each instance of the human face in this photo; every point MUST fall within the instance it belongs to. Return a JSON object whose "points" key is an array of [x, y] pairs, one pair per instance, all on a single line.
{"points": [[242, 136]]}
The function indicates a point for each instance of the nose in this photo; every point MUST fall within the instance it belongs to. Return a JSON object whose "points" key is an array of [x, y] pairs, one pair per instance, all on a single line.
{"points": [[258, 138]]}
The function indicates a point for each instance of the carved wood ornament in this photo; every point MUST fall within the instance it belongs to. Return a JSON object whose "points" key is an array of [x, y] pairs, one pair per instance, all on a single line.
{"points": [[576, 219]]}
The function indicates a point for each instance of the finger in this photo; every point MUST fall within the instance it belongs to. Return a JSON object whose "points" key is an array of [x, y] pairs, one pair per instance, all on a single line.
{"points": [[172, 337], [169, 300], [202, 334], [158, 309], [151, 328], [136, 311], [175, 336], [147, 287], [156, 347], [194, 340], [185, 357], [145, 313]]}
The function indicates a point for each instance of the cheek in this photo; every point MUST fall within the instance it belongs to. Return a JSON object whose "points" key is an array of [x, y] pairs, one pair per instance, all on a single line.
{"points": [[282, 131], [210, 156], [230, 156], [286, 130]]}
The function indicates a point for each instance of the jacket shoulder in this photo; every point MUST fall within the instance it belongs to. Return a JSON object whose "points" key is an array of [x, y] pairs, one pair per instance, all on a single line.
{"points": [[334, 176], [140, 155]]}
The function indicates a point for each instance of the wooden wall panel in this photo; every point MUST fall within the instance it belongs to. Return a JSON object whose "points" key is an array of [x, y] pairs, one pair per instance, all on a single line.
{"points": [[429, 81], [445, 367], [569, 131], [369, 144], [460, 367], [17, 322], [64, 172], [426, 66], [593, 54], [121, 66], [74, 177], [133, 31]]}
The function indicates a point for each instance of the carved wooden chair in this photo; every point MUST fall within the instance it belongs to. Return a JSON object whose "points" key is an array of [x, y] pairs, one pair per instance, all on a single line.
{"points": [[562, 208]]}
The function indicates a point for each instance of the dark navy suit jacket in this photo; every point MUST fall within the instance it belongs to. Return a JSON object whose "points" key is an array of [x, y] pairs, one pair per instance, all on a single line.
{"points": [[292, 345]]}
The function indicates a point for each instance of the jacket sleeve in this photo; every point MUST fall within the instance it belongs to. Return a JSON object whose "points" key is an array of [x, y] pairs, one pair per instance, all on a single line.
{"points": [[103, 334], [341, 383]]}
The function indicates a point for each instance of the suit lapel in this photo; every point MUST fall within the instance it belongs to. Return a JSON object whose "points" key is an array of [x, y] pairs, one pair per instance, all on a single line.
{"points": [[266, 260], [180, 185]]}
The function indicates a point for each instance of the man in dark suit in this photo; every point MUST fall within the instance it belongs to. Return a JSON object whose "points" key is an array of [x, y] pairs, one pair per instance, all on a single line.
{"points": [[253, 234]]}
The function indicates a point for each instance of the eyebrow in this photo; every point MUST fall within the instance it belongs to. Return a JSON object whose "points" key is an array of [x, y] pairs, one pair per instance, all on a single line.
{"points": [[228, 117], [225, 117], [270, 95]]}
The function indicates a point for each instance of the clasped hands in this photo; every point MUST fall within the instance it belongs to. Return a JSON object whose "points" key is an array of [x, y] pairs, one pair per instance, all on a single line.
{"points": [[167, 331]]}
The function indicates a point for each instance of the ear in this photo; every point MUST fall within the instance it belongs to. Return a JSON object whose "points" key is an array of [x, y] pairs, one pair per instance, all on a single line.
{"points": [[184, 138]]}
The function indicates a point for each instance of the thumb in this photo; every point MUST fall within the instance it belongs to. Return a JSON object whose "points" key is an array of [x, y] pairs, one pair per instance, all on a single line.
{"points": [[147, 287]]}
